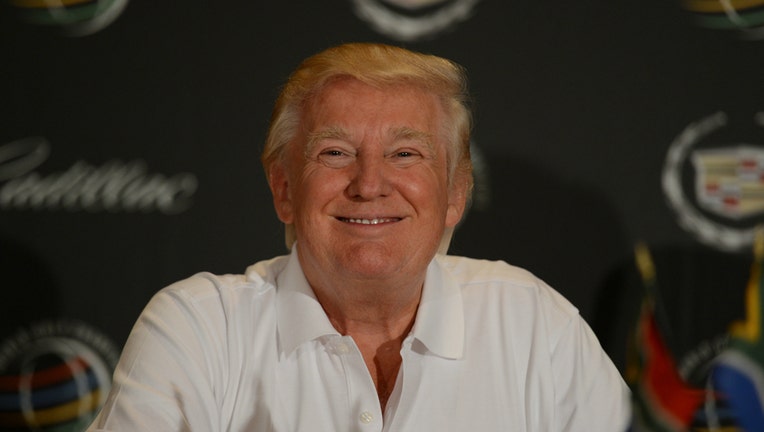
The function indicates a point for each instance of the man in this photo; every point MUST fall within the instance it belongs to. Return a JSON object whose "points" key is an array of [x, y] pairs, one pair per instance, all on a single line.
{"points": [[364, 326]]}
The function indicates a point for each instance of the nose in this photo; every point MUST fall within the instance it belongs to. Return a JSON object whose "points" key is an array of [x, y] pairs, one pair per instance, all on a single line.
{"points": [[370, 178]]}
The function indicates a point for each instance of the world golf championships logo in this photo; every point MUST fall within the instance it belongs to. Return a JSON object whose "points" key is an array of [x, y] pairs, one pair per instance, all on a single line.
{"points": [[728, 187], [412, 20], [72, 17], [744, 16], [54, 376]]}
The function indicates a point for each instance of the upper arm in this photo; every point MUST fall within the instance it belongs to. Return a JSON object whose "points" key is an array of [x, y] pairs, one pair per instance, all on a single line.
{"points": [[590, 393], [163, 379]]}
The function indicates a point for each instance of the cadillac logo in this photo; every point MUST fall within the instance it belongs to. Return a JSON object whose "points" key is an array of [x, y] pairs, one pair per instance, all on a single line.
{"points": [[728, 185], [114, 186], [730, 182], [412, 20]]}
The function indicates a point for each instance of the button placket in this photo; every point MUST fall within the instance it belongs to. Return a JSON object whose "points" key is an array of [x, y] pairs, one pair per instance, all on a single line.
{"points": [[364, 403], [405, 388]]}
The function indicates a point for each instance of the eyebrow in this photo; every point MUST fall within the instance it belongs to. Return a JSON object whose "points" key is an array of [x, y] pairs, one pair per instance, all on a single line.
{"points": [[332, 132], [413, 134]]}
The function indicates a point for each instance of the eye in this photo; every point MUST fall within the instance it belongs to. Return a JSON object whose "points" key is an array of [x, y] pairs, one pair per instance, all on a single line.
{"points": [[405, 154], [335, 158], [405, 157]]}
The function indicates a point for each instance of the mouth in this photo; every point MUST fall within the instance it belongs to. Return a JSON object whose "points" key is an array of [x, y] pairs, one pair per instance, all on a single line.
{"points": [[372, 221]]}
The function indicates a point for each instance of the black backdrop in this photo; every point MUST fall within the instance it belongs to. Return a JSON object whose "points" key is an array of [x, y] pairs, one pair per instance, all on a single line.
{"points": [[578, 105]]}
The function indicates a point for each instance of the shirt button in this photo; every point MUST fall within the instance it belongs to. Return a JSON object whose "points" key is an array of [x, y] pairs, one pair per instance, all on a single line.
{"points": [[366, 417], [342, 348]]}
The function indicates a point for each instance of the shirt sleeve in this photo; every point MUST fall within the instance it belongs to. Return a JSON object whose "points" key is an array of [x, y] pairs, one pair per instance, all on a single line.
{"points": [[163, 381], [590, 393]]}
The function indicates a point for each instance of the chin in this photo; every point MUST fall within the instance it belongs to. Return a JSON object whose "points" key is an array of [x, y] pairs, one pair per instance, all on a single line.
{"points": [[375, 262]]}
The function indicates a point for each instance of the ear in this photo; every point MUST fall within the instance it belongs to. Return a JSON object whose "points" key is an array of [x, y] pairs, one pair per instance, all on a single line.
{"points": [[457, 200], [278, 180]]}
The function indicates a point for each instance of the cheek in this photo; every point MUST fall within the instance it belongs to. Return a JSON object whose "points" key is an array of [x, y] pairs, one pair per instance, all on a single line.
{"points": [[317, 187], [426, 191]]}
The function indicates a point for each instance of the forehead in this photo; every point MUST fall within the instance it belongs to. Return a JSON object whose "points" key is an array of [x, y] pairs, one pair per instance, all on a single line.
{"points": [[348, 103]]}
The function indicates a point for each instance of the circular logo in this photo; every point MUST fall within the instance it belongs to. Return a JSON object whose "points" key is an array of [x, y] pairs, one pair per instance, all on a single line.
{"points": [[73, 17], [54, 375], [728, 185], [412, 20], [743, 16], [695, 368]]}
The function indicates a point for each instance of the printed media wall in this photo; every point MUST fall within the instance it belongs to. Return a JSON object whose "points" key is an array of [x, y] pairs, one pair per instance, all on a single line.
{"points": [[130, 135]]}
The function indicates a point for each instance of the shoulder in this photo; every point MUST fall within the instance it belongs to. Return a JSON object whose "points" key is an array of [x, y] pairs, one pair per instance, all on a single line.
{"points": [[477, 271], [204, 312], [212, 295], [511, 288]]}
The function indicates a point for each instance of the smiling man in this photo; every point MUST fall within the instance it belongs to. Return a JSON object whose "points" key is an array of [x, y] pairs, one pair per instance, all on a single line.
{"points": [[366, 324]]}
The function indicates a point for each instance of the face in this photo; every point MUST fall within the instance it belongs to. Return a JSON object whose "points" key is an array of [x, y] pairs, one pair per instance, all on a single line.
{"points": [[365, 184]]}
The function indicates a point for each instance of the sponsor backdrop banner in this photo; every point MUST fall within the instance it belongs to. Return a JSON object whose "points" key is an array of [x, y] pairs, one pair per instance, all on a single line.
{"points": [[130, 135]]}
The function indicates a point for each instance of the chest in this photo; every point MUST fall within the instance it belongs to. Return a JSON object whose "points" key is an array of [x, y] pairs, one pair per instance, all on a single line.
{"points": [[326, 386]]}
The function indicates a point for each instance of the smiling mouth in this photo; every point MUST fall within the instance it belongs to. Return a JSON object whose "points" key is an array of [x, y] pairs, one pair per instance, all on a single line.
{"points": [[374, 221]]}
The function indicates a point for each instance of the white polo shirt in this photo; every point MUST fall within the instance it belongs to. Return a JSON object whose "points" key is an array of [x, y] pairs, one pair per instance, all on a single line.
{"points": [[492, 349]]}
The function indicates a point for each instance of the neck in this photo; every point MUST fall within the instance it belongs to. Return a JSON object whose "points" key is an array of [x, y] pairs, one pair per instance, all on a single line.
{"points": [[366, 309]]}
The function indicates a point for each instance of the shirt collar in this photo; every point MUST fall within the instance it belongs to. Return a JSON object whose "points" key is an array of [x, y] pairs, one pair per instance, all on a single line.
{"points": [[440, 319], [300, 316], [439, 323]]}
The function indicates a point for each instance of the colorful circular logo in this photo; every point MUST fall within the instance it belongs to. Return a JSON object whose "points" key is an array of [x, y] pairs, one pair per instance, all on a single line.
{"points": [[743, 16], [73, 17], [54, 376]]}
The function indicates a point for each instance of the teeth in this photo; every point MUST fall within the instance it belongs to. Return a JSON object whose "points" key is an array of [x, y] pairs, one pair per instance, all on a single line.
{"points": [[369, 221]]}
